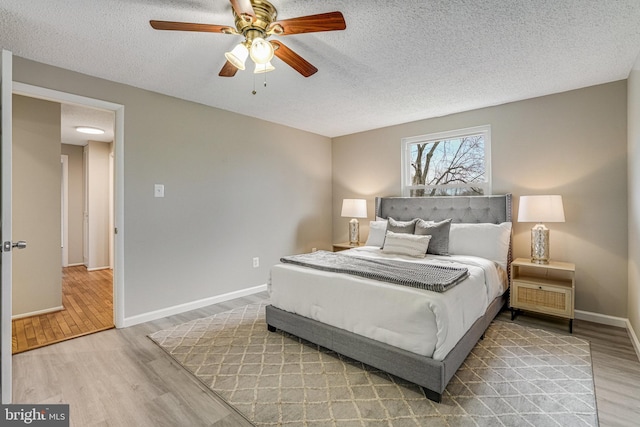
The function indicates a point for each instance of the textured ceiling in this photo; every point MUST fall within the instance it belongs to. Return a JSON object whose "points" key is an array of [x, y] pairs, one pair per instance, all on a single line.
{"points": [[397, 61]]}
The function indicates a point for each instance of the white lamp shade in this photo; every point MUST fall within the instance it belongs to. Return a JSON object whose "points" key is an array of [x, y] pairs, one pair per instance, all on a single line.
{"points": [[541, 209], [263, 68], [261, 51], [238, 56], [354, 208]]}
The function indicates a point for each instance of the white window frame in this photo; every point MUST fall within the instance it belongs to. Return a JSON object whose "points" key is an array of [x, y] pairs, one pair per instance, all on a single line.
{"points": [[485, 130]]}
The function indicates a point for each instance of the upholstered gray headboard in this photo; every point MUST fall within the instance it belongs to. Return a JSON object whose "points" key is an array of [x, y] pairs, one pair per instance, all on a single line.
{"points": [[469, 209]]}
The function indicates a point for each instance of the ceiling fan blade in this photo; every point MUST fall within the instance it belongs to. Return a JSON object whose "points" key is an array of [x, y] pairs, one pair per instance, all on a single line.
{"points": [[244, 9], [228, 70], [294, 60], [188, 26], [330, 21]]}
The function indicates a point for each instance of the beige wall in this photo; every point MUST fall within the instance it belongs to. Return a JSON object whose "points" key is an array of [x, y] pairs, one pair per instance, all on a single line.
{"points": [[37, 275], [238, 187], [573, 144], [634, 200], [235, 188], [74, 152]]}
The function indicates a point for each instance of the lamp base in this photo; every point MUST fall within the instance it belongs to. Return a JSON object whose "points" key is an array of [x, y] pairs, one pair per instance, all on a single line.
{"points": [[540, 244], [354, 232]]}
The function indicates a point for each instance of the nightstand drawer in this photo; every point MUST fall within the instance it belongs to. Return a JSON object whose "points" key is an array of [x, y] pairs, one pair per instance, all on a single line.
{"points": [[546, 299]]}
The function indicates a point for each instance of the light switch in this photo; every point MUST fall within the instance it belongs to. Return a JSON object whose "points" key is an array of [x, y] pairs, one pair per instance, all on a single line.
{"points": [[158, 190]]}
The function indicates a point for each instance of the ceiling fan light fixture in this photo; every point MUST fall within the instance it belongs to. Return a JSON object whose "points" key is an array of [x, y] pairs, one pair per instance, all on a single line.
{"points": [[238, 56], [261, 51], [264, 68]]}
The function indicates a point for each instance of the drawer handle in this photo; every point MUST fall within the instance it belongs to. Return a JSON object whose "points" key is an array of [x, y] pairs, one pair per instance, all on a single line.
{"points": [[540, 287]]}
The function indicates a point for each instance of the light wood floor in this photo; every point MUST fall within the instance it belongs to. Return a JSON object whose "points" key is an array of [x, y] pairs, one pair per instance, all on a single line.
{"points": [[87, 298], [120, 378]]}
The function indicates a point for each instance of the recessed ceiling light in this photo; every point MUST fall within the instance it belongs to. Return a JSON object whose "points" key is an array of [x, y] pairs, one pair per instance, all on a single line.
{"points": [[89, 130]]}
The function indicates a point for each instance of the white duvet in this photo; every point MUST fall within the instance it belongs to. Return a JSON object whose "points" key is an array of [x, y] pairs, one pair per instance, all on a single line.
{"points": [[423, 322]]}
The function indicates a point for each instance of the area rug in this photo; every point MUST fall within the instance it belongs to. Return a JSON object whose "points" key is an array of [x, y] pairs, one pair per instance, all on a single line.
{"points": [[516, 376]]}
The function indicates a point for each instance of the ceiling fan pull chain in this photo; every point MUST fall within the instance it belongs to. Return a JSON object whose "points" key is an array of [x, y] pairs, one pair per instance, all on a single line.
{"points": [[253, 92]]}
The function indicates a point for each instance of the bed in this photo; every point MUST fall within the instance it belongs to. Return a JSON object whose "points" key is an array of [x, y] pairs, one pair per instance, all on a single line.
{"points": [[415, 334]]}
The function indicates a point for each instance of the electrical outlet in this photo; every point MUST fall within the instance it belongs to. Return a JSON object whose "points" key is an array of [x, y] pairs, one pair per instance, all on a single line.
{"points": [[314, 249], [256, 262]]}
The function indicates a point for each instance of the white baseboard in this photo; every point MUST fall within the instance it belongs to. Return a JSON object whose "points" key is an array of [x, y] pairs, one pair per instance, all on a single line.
{"points": [[601, 318], [98, 268], [194, 305], [611, 321], [37, 313], [634, 338]]}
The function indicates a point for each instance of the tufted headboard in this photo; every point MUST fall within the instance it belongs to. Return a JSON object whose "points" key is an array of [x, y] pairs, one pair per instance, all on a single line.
{"points": [[467, 209]]}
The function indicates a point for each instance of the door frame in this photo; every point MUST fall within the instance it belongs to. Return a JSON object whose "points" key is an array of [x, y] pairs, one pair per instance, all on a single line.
{"points": [[64, 203], [6, 374], [118, 199]]}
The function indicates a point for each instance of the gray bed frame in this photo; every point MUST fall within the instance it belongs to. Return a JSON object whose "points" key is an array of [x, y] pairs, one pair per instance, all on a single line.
{"points": [[432, 375]]}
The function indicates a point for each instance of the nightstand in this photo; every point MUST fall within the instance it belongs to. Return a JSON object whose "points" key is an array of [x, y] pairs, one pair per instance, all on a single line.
{"points": [[345, 245], [543, 288]]}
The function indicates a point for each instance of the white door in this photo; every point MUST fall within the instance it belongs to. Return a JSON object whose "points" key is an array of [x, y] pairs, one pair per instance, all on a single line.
{"points": [[5, 224]]}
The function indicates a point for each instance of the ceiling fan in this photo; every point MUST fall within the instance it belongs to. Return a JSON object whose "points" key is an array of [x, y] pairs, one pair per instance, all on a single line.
{"points": [[256, 21]]}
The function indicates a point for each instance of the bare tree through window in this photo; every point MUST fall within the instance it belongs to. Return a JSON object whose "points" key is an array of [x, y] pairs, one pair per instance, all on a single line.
{"points": [[448, 166]]}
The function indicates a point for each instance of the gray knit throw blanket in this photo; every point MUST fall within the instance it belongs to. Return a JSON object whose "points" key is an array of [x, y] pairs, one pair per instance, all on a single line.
{"points": [[431, 277]]}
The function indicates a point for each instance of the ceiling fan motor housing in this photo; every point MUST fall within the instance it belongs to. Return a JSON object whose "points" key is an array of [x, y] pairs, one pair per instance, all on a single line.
{"points": [[265, 14]]}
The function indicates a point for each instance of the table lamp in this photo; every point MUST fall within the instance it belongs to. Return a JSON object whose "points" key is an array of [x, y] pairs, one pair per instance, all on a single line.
{"points": [[540, 209], [354, 208]]}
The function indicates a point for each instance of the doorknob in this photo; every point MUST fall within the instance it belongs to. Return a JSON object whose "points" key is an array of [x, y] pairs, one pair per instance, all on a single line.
{"points": [[7, 246], [21, 244]]}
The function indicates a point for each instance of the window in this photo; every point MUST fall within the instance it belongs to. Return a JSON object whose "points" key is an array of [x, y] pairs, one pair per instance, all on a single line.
{"points": [[454, 163]]}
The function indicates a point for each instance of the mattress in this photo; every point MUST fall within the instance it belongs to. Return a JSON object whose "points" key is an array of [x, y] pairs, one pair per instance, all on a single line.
{"points": [[423, 322]]}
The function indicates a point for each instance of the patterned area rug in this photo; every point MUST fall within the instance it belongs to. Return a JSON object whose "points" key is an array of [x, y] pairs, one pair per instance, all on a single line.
{"points": [[516, 376]]}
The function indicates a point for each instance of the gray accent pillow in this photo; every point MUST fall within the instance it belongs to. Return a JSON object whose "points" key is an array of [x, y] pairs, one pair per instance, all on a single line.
{"points": [[439, 232], [402, 226]]}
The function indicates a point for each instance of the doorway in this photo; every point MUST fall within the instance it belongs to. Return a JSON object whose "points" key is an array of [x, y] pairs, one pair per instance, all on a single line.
{"points": [[110, 272], [77, 282]]}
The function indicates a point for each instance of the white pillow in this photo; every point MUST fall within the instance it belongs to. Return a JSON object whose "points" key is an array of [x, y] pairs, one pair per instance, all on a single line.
{"points": [[377, 230], [406, 244], [484, 240]]}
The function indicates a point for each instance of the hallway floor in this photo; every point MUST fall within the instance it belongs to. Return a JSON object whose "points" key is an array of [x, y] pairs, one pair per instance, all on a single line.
{"points": [[87, 298]]}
